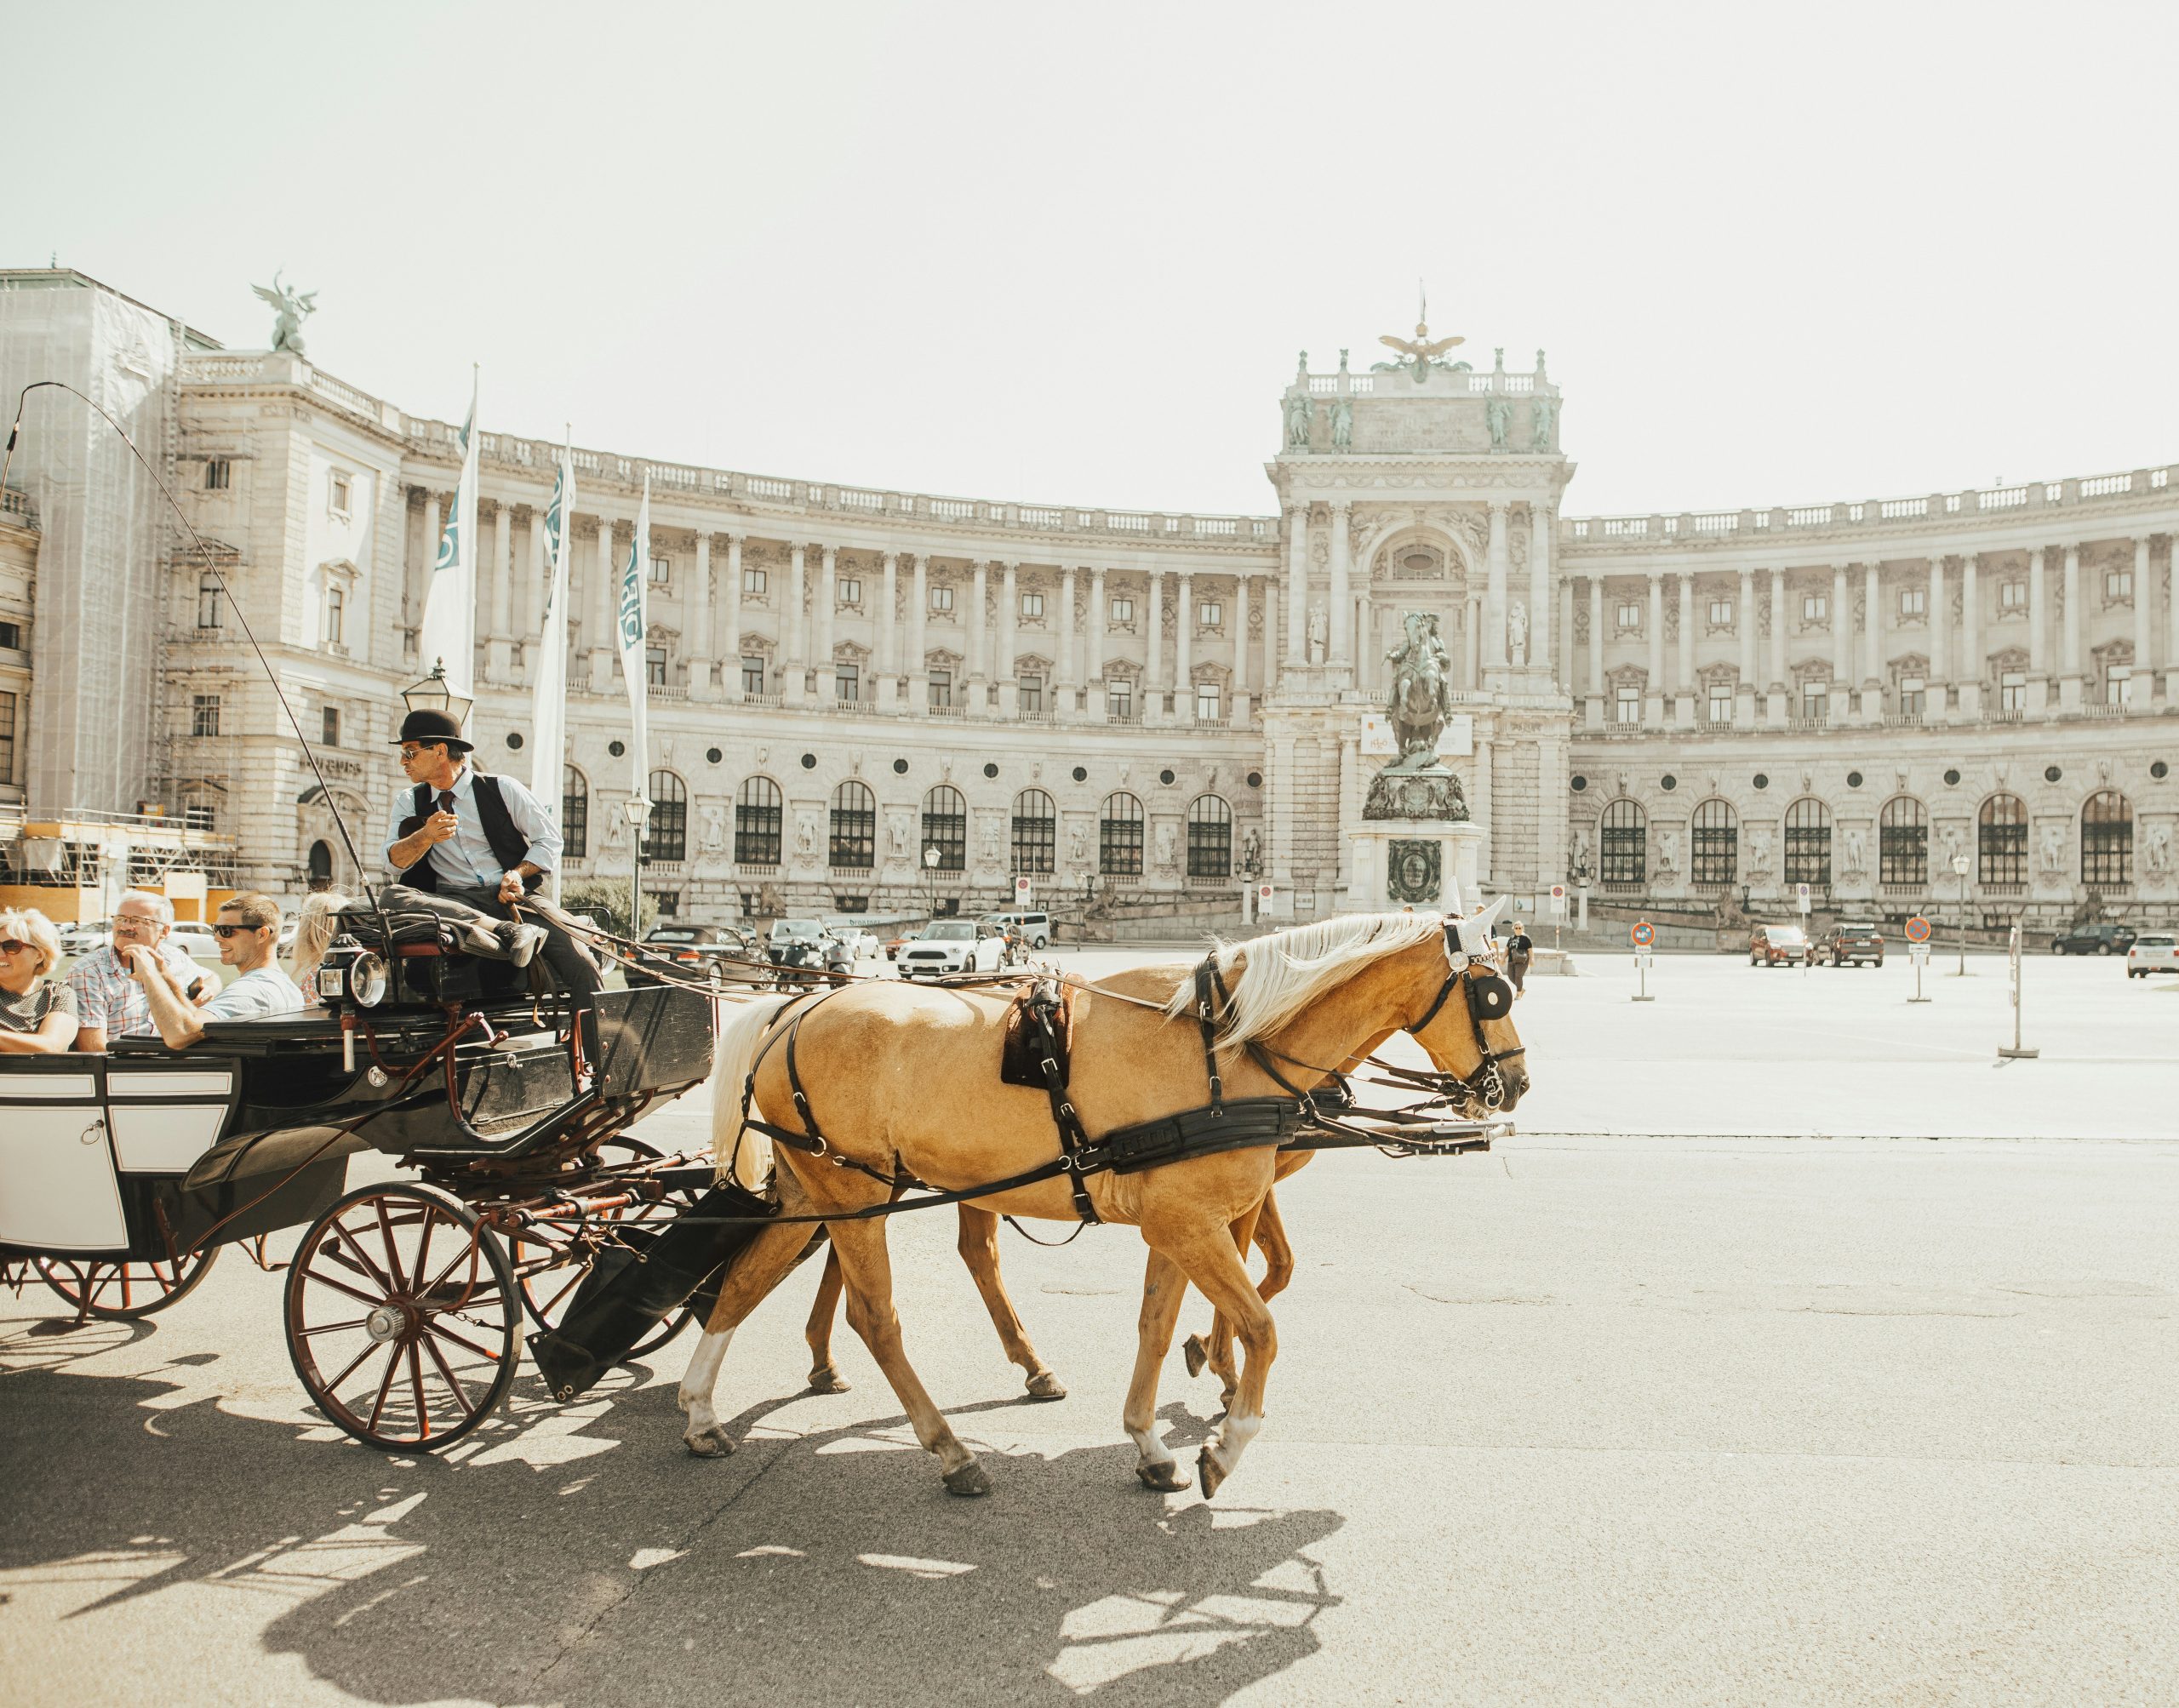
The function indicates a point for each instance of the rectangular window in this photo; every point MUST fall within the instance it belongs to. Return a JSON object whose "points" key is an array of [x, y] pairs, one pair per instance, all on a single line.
{"points": [[2012, 596], [200, 818], [847, 682], [654, 667], [1630, 614], [2115, 684], [1913, 696], [205, 714], [1721, 613], [850, 591], [1031, 699], [2012, 691], [330, 730], [1721, 702], [1206, 702], [1914, 603], [208, 598], [218, 471], [1815, 608], [2118, 583], [338, 497], [941, 598], [336, 615], [752, 672], [661, 571], [1209, 613], [11, 636], [1119, 701], [1123, 610], [1032, 605], [753, 583], [1815, 701], [1628, 700], [940, 685], [6, 738]]}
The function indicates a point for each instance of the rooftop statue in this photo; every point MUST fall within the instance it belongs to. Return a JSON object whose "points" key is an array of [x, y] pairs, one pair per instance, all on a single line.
{"points": [[1540, 415], [1421, 350], [1342, 424], [294, 306], [1297, 419]]}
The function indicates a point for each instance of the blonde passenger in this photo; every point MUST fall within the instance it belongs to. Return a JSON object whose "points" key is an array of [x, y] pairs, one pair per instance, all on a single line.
{"points": [[37, 1013]]}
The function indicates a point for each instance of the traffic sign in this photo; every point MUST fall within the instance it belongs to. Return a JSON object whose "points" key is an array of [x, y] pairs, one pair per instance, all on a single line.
{"points": [[1801, 897], [1918, 929], [1643, 934], [1263, 893], [1022, 891]]}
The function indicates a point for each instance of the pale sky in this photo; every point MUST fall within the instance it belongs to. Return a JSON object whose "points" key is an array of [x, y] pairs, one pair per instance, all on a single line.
{"points": [[1776, 254]]}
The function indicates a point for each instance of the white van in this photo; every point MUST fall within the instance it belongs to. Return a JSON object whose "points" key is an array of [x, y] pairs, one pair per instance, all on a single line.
{"points": [[1035, 928]]}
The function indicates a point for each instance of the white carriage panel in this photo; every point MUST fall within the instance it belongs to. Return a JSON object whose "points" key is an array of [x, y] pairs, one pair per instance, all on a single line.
{"points": [[131, 1083], [59, 1192], [156, 1139]]}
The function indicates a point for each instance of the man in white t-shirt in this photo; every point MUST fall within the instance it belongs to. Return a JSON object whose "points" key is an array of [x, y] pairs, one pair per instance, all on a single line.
{"points": [[248, 930]]}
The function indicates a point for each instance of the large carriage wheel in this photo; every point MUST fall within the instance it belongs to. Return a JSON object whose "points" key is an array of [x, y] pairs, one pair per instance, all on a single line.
{"points": [[546, 1293], [403, 1318], [121, 1291]]}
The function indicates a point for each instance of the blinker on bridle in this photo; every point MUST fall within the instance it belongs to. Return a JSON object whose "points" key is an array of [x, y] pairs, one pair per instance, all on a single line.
{"points": [[1489, 997]]}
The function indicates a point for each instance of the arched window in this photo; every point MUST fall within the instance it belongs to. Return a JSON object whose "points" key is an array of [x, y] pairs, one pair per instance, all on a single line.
{"points": [[1902, 842], [665, 838], [1622, 845], [1210, 837], [2001, 841], [854, 840], [574, 814], [2106, 840], [1808, 842], [1119, 837], [1717, 844], [945, 828], [1035, 831], [321, 866], [757, 819]]}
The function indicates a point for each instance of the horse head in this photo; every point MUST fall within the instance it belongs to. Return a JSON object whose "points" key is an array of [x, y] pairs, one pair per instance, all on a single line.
{"points": [[1468, 1031]]}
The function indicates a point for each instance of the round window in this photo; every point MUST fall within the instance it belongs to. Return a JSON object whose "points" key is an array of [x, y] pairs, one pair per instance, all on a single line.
{"points": [[1081, 775], [1165, 776], [900, 767], [616, 748], [1580, 783], [2159, 770], [1853, 780], [809, 762], [713, 755], [1762, 781], [991, 770], [514, 738], [1669, 780], [1951, 777], [2051, 773], [1256, 778]]}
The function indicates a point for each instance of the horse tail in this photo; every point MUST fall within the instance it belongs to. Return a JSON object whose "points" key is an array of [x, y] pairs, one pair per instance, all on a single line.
{"points": [[741, 1153]]}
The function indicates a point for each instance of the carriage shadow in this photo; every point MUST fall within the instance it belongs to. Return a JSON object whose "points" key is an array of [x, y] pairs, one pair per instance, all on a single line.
{"points": [[597, 1564]]}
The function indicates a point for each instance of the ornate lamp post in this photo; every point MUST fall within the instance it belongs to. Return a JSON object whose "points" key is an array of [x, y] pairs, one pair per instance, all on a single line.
{"points": [[930, 874], [435, 693], [1960, 871], [637, 807]]}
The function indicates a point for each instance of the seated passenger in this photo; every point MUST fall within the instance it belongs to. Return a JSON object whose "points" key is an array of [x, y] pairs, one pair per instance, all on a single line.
{"points": [[37, 1017], [248, 930], [109, 1002]]}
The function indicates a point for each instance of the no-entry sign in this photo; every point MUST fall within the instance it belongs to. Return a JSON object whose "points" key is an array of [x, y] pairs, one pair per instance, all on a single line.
{"points": [[1643, 934], [1918, 929]]}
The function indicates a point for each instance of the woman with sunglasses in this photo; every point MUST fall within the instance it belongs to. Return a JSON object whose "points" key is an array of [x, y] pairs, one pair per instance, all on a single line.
{"points": [[38, 1015]]}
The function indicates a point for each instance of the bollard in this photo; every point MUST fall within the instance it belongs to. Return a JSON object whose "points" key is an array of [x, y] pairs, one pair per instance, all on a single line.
{"points": [[2019, 1052]]}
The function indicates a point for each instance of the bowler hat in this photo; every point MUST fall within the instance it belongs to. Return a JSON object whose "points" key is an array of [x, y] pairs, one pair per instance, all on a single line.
{"points": [[425, 725]]}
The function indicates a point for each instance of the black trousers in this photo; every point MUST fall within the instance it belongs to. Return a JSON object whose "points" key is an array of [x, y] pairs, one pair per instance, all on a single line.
{"points": [[574, 969], [1517, 968]]}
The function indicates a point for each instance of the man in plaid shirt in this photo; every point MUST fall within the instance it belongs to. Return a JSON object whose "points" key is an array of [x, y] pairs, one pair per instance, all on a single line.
{"points": [[109, 1002]]}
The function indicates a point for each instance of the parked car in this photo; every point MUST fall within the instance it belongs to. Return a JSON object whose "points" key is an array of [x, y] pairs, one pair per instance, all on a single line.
{"points": [[196, 941], [2153, 951], [1035, 928], [1780, 946], [726, 955], [83, 936], [1856, 940], [953, 946], [2098, 937]]}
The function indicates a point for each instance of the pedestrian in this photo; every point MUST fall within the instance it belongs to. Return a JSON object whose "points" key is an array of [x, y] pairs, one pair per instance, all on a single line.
{"points": [[1520, 948]]}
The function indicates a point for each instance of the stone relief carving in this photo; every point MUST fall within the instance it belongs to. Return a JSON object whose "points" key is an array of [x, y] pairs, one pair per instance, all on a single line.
{"points": [[2053, 850], [991, 842], [1667, 852], [1758, 851], [1168, 845], [2156, 851], [714, 839], [1857, 840], [1078, 845], [1319, 633], [1517, 633], [805, 837]]}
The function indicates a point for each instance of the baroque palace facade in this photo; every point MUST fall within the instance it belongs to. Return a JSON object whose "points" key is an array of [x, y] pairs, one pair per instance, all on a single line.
{"points": [[1158, 711]]}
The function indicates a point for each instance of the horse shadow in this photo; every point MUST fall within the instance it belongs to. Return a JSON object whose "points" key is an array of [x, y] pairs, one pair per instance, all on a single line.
{"points": [[577, 1555]]}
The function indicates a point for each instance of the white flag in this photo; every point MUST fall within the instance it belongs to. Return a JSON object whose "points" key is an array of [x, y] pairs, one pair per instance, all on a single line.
{"points": [[448, 634], [548, 705], [635, 626]]}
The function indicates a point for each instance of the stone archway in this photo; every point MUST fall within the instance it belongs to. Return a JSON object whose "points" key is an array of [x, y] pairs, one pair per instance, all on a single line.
{"points": [[316, 826]]}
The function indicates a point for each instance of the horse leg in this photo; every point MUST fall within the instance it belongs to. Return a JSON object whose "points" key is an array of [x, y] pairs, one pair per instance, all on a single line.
{"points": [[1216, 1349], [825, 1377], [755, 1273], [1163, 1287], [979, 1247], [869, 1271], [1208, 1258]]}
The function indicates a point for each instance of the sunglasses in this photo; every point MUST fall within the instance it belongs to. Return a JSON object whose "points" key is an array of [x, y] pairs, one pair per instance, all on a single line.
{"points": [[10, 946], [223, 932]]}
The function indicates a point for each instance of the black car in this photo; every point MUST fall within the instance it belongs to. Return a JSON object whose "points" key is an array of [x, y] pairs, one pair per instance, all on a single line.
{"points": [[718, 952], [2099, 937]]}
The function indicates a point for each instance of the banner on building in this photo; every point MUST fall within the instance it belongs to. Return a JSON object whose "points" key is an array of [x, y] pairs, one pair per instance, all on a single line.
{"points": [[634, 621], [448, 636], [548, 705]]}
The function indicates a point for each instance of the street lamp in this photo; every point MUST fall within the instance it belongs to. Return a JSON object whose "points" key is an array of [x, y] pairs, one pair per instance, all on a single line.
{"points": [[436, 694], [1959, 872], [930, 871], [637, 807]]}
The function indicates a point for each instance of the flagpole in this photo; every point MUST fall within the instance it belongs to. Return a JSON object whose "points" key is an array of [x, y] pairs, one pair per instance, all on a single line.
{"points": [[447, 636], [548, 710]]}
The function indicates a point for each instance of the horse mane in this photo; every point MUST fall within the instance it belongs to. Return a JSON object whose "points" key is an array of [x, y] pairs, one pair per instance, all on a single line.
{"points": [[1283, 973]]}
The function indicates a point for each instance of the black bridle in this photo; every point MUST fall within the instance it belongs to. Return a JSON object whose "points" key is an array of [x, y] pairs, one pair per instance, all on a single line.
{"points": [[1489, 997]]}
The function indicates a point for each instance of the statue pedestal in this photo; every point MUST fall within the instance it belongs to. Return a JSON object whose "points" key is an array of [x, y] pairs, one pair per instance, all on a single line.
{"points": [[1427, 863]]}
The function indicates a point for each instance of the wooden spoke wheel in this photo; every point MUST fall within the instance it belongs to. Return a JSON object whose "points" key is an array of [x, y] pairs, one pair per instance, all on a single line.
{"points": [[403, 1318], [546, 1293], [121, 1292]]}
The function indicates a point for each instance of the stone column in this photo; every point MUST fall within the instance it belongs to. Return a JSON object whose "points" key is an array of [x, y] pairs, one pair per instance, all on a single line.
{"points": [[1342, 593], [1596, 703], [730, 652], [1778, 690], [1842, 646], [1009, 611], [914, 680], [1940, 678], [1351, 793], [1683, 668], [699, 621], [1562, 671], [1873, 643], [825, 604], [1184, 648], [1154, 648], [1239, 712], [888, 688], [2069, 652], [1281, 809], [1297, 585], [1065, 677], [529, 597], [1968, 671], [601, 610], [1541, 523], [794, 680], [1093, 663], [2137, 687], [979, 619], [1653, 706], [2171, 625], [1478, 806], [2038, 632], [499, 648], [412, 604], [1498, 565], [1747, 699], [1270, 637], [1472, 640]]}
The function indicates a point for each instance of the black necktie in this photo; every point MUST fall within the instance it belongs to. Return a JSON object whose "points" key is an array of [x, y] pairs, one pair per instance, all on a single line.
{"points": [[446, 800]]}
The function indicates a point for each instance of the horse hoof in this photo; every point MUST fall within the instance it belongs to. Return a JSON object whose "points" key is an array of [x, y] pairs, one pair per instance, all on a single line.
{"points": [[711, 1443], [1167, 1478], [1196, 1353], [968, 1480], [827, 1381], [1044, 1385], [1206, 1468]]}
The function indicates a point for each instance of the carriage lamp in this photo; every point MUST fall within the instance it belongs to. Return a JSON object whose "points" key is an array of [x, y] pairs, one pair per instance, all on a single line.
{"points": [[436, 694], [352, 973]]}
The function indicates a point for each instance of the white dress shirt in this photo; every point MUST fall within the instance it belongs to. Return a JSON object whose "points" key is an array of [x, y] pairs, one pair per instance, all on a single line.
{"points": [[465, 860]]}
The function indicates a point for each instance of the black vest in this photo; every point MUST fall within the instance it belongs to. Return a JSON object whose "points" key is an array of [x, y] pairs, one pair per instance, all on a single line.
{"points": [[508, 844]]}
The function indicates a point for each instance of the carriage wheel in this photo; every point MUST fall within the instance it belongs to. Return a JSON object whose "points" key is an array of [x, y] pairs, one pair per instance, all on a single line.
{"points": [[546, 1293], [403, 1318], [121, 1292]]}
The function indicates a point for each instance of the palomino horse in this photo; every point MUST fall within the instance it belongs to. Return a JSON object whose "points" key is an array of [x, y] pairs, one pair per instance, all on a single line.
{"points": [[904, 1079]]}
